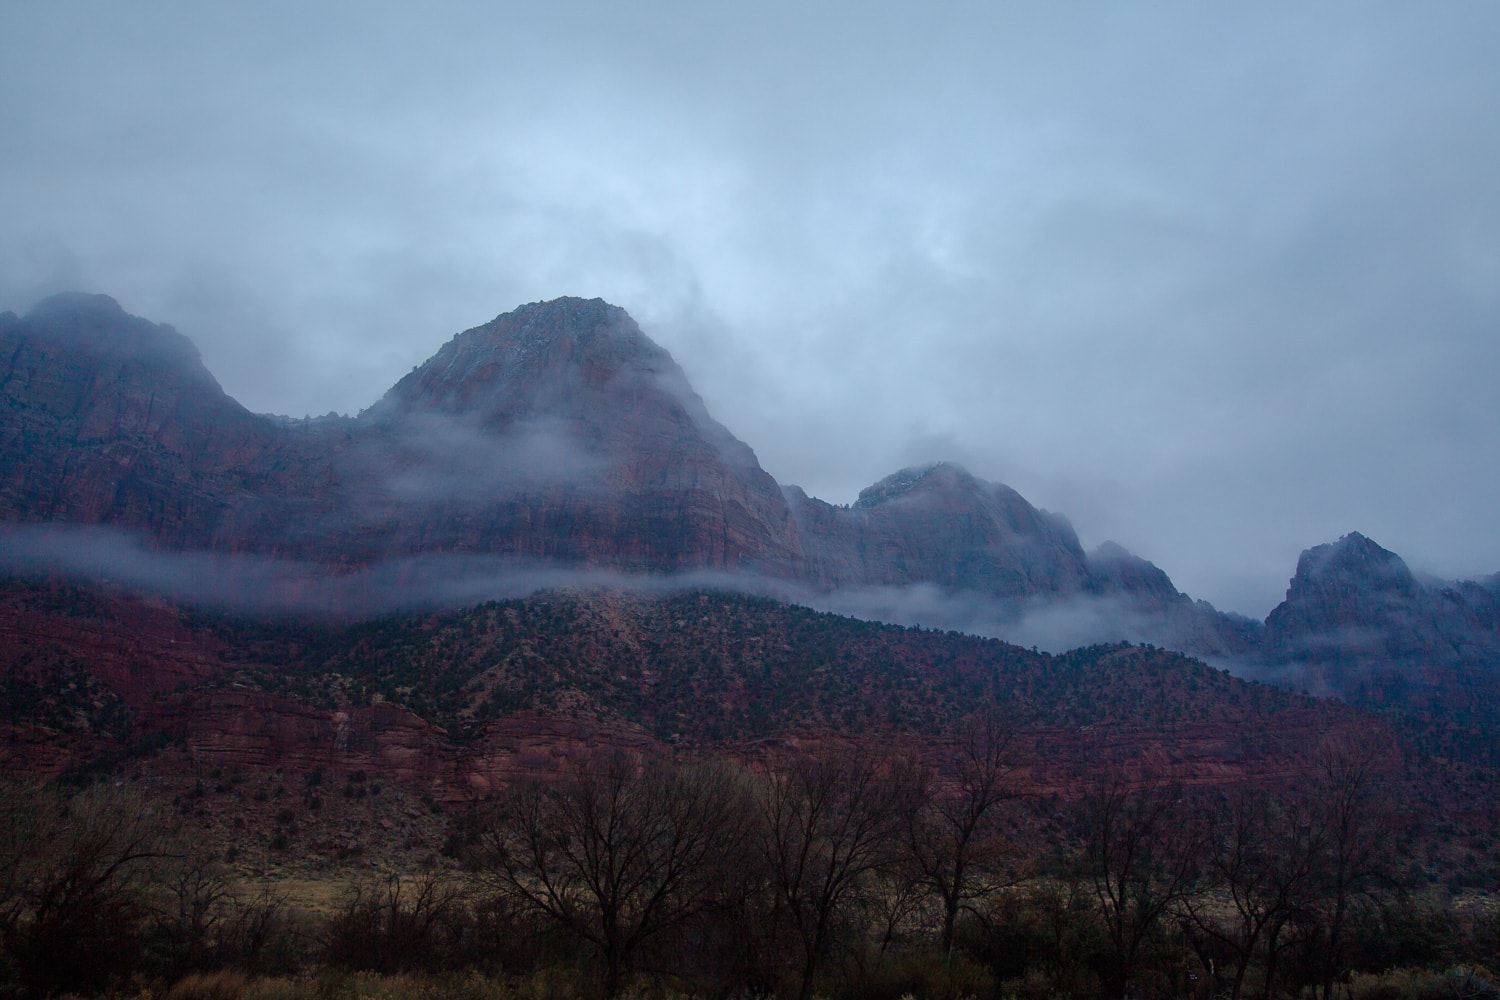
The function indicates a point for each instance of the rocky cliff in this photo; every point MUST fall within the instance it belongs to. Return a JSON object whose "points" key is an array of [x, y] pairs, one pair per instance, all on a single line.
{"points": [[560, 435], [1358, 622], [106, 418], [557, 434], [561, 432], [938, 524]]}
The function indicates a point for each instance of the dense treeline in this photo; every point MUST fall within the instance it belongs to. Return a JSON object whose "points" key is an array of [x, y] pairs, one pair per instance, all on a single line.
{"points": [[815, 870]]}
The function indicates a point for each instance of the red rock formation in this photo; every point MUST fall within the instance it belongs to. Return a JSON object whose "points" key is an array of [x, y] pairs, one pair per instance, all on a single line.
{"points": [[106, 418], [558, 432]]}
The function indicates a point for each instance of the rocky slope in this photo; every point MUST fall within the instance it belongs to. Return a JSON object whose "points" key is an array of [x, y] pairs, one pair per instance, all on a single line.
{"points": [[292, 743], [458, 703]]}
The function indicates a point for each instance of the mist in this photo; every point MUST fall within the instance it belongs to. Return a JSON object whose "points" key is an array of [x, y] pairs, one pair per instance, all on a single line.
{"points": [[257, 585]]}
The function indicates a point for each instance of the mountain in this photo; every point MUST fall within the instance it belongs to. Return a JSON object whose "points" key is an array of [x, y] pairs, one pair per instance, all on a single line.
{"points": [[106, 418], [1349, 599], [1160, 613], [557, 438], [938, 524], [1358, 622], [558, 434]]}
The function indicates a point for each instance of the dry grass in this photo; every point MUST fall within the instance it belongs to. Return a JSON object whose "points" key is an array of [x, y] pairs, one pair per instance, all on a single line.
{"points": [[221, 985], [1470, 982], [557, 984]]}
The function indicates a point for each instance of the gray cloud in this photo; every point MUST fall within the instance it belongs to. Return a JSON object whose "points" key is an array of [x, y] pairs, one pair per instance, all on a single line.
{"points": [[1218, 285]]}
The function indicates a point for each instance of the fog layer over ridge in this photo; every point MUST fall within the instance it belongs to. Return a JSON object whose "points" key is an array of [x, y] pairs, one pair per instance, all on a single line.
{"points": [[256, 585]]}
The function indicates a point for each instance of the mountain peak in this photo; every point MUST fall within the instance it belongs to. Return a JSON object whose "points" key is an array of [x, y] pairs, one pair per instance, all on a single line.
{"points": [[1353, 602], [944, 476], [1115, 569], [1354, 563], [76, 305], [97, 325], [567, 323], [533, 356]]}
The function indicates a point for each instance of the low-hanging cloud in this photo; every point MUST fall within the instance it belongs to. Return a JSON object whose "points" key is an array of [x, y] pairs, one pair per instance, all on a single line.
{"points": [[261, 585], [1052, 625], [439, 456]]}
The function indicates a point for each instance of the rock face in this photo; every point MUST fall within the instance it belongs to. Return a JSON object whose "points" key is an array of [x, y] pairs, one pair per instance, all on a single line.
{"points": [[561, 432], [1164, 614], [938, 524], [1353, 601], [1362, 624], [557, 434], [108, 419], [560, 435], [1351, 598]]}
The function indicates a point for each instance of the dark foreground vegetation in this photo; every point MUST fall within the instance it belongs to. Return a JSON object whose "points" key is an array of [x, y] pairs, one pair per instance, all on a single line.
{"points": [[810, 870]]}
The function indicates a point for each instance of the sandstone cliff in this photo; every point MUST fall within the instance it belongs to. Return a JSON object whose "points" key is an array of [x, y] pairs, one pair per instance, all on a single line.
{"points": [[557, 434], [1360, 623]]}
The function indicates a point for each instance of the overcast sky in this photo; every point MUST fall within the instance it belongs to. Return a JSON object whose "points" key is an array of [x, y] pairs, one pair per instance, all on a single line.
{"points": [[1218, 282]]}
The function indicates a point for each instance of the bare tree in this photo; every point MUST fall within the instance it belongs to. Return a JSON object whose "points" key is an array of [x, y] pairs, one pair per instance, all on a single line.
{"points": [[954, 836], [1139, 854], [1356, 858], [1263, 851], [192, 915], [618, 850], [76, 877], [830, 820], [394, 927]]}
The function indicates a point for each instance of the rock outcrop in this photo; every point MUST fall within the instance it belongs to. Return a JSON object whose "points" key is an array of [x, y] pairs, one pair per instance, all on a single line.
{"points": [[1356, 621], [1353, 601], [561, 432], [938, 524], [1163, 614]]}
